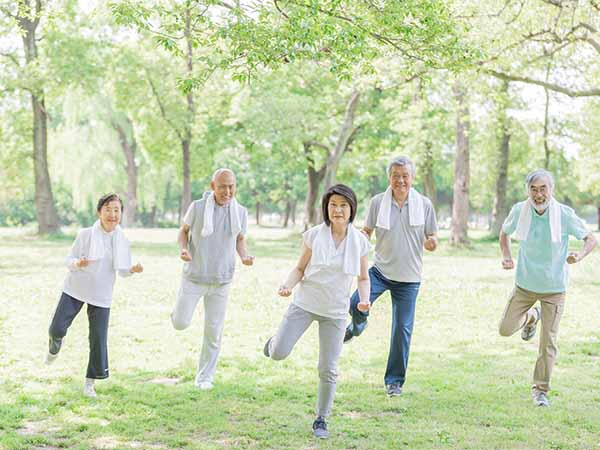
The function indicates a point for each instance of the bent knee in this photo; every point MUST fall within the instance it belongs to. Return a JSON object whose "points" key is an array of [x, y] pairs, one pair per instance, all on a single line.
{"points": [[180, 324], [505, 331], [328, 376]]}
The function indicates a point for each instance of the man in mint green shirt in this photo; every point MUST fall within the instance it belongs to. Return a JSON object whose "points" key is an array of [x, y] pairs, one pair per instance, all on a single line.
{"points": [[543, 226]]}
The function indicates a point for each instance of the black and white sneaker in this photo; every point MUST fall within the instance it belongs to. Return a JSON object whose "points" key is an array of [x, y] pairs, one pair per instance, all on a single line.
{"points": [[320, 428], [348, 335], [393, 390]]}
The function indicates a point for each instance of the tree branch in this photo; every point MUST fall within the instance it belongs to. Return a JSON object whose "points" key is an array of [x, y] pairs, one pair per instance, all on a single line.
{"points": [[12, 57], [162, 108], [551, 86]]}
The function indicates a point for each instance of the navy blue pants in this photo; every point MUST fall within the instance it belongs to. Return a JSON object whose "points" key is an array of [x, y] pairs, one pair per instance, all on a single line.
{"points": [[68, 307], [404, 298]]}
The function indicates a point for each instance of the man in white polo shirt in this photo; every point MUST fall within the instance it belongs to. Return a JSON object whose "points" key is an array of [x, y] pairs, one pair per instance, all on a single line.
{"points": [[543, 226], [213, 230], [404, 222]]}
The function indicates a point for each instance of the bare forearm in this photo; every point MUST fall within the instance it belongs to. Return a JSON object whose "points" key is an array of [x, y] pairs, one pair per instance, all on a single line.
{"points": [[293, 278], [364, 289], [589, 243], [240, 247], [505, 245], [182, 239]]}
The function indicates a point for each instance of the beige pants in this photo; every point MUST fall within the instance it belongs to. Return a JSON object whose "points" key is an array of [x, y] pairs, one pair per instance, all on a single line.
{"points": [[517, 314]]}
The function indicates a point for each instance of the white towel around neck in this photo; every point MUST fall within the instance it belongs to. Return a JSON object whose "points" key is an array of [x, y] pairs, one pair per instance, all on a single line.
{"points": [[323, 249], [416, 210], [209, 209], [525, 221], [120, 246]]}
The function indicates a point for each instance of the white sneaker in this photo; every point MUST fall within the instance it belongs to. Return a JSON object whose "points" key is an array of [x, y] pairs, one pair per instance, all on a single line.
{"points": [[50, 358], [88, 390], [204, 385]]}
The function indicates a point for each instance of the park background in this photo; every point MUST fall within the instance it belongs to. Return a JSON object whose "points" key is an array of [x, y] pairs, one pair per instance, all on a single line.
{"points": [[148, 98]]}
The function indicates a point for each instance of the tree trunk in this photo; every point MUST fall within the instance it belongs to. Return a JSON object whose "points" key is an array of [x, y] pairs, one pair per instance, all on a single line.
{"points": [[129, 147], [427, 173], [257, 213], [426, 162], [288, 211], [460, 204], [344, 140], [500, 210], [314, 181], [547, 119], [186, 192], [293, 212], [46, 214], [598, 218]]}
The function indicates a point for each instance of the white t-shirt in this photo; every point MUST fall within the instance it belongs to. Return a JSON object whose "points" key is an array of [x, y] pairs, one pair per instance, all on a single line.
{"points": [[325, 290], [92, 284]]}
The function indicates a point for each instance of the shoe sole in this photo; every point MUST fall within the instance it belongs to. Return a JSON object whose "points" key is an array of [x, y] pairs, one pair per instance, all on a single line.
{"points": [[266, 347]]}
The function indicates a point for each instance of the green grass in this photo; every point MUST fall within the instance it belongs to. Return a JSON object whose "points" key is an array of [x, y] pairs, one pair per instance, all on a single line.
{"points": [[467, 387]]}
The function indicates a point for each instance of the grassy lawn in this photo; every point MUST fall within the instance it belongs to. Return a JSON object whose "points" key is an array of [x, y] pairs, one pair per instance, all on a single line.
{"points": [[467, 387]]}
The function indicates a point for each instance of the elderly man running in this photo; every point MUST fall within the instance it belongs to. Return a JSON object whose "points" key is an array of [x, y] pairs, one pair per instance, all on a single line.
{"points": [[404, 222], [543, 226], [213, 230]]}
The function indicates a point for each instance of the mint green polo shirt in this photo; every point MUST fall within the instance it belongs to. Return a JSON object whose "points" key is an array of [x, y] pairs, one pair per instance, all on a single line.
{"points": [[542, 265]]}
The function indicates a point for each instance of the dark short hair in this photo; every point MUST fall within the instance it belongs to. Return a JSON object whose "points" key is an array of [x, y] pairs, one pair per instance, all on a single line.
{"points": [[344, 191], [107, 199]]}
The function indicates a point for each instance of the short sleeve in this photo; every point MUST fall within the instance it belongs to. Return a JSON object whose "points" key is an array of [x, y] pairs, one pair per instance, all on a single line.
{"points": [[188, 219], [510, 223], [309, 236], [371, 220], [431, 226], [575, 225], [364, 245]]}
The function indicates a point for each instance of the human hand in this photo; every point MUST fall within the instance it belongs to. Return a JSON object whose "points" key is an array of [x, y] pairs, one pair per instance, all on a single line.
{"points": [[430, 243], [138, 268], [573, 258], [247, 260], [508, 264], [83, 262], [185, 255], [364, 306], [284, 291]]}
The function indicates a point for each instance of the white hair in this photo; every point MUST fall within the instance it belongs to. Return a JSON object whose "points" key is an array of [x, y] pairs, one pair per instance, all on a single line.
{"points": [[537, 174], [221, 170], [401, 161]]}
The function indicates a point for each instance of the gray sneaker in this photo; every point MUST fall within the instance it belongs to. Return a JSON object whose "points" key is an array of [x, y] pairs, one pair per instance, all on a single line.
{"points": [[393, 390], [540, 398], [528, 331], [320, 428]]}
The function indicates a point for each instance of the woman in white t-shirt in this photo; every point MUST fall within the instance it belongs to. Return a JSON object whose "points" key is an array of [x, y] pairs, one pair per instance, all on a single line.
{"points": [[333, 254], [96, 255]]}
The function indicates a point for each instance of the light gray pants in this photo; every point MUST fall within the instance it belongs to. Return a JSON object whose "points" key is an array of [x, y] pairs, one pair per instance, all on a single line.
{"points": [[331, 339], [215, 302]]}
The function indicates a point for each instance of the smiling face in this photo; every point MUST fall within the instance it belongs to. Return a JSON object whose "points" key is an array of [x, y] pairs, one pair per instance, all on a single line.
{"points": [[339, 209], [224, 187], [540, 193], [400, 179], [110, 215]]}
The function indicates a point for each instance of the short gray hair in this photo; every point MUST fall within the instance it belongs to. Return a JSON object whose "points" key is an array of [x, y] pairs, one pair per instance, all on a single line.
{"points": [[401, 161], [537, 174]]}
